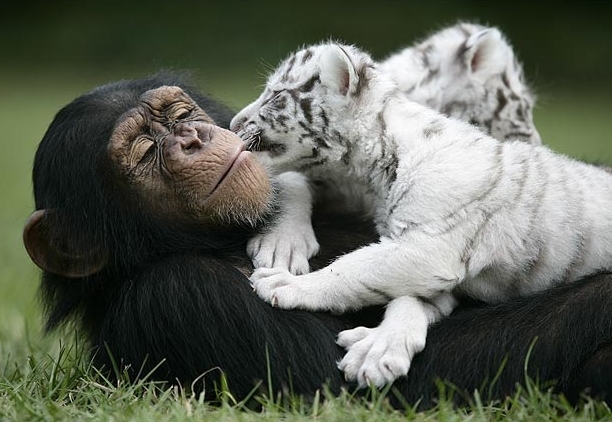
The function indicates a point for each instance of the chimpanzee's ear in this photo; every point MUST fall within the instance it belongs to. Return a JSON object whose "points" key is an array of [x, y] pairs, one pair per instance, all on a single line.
{"points": [[337, 70], [58, 257]]}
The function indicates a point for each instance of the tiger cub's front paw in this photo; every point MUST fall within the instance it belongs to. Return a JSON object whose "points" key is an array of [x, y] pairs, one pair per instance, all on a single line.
{"points": [[285, 248], [277, 287]]}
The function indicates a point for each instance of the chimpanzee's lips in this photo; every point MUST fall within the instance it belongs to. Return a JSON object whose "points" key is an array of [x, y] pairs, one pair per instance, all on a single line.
{"points": [[234, 163]]}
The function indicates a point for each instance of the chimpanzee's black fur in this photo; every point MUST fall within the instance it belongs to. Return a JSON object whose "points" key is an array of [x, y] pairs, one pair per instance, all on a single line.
{"points": [[174, 293]]}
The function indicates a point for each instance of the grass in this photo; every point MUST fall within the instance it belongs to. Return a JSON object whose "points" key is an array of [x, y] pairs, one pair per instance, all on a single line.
{"points": [[44, 379], [64, 387]]}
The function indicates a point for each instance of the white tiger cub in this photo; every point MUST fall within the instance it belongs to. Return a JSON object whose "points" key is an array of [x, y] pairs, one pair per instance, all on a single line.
{"points": [[456, 209], [467, 71]]}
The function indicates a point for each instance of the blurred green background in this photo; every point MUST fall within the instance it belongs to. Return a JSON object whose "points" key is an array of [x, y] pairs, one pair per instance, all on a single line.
{"points": [[51, 51]]}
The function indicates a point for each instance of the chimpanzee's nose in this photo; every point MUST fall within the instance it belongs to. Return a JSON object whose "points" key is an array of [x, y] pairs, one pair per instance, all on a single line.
{"points": [[190, 144], [187, 137]]}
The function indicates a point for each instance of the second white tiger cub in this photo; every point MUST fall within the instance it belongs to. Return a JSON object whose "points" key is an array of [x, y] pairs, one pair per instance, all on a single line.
{"points": [[469, 72], [455, 208]]}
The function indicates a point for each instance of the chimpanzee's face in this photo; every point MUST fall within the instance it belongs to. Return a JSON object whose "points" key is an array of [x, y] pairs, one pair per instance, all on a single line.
{"points": [[174, 157]]}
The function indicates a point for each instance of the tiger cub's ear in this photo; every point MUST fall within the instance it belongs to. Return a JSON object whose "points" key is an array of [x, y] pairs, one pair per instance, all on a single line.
{"points": [[337, 70], [486, 53]]}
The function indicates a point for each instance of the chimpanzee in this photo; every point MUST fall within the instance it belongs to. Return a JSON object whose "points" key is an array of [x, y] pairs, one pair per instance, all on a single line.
{"points": [[143, 207]]}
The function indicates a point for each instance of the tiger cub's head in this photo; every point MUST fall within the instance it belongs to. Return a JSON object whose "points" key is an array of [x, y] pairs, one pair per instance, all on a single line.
{"points": [[294, 124], [469, 72]]}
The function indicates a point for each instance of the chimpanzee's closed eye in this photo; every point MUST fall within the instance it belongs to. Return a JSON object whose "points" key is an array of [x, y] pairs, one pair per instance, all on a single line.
{"points": [[183, 114], [142, 149]]}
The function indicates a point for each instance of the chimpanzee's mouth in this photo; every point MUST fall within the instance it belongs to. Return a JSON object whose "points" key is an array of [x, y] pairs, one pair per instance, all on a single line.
{"points": [[234, 163]]}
